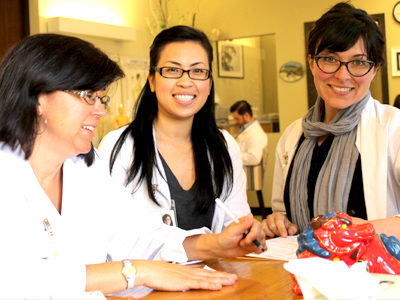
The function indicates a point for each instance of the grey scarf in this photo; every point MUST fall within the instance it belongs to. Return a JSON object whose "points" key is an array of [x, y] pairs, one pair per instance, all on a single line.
{"points": [[334, 180]]}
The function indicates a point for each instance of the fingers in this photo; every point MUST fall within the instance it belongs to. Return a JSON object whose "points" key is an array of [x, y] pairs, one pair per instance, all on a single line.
{"points": [[210, 281], [278, 225], [238, 239], [252, 227], [171, 277], [255, 233], [293, 229]]}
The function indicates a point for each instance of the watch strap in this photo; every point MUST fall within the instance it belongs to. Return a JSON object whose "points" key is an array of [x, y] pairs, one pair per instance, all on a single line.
{"points": [[129, 272]]}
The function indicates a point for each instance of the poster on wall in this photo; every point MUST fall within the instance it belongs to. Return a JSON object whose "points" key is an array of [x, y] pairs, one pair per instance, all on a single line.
{"points": [[230, 60], [136, 71]]}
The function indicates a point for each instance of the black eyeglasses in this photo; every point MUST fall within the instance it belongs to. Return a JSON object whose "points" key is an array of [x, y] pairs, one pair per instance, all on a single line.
{"points": [[175, 73], [91, 97], [356, 67]]}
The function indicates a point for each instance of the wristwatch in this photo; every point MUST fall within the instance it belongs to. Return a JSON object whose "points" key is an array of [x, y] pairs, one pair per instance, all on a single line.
{"points": [[129, 272]]}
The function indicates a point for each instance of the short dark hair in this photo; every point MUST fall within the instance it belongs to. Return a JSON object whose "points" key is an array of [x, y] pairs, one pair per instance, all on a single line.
{"points": [[45, 63], [242, 107], [341, 27]]}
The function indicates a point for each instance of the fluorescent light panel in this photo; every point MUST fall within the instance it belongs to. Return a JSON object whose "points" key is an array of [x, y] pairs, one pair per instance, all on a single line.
{"points": [[75, 26]]}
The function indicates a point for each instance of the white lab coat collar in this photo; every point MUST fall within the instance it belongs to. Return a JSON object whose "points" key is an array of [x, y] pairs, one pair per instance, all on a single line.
{"points": [[374, 146], [160, 182]]}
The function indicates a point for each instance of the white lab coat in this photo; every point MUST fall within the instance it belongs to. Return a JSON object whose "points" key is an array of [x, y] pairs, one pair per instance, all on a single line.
{"points": [[252, 142], [236, 201], [379, 145], [98, 219]]}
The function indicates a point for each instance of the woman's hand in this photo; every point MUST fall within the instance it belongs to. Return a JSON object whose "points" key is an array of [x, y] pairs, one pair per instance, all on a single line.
{"points": [[171, 277], [278, 225], [232, 241], [107, 277]]}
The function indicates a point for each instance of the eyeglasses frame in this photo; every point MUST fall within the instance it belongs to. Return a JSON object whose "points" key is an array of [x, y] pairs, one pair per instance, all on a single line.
{"points": [[344, 63], [159, 70], [83, 94]]}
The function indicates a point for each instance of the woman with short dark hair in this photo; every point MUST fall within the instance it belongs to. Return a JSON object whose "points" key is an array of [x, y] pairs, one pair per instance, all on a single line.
{"points": [[343, 156]]}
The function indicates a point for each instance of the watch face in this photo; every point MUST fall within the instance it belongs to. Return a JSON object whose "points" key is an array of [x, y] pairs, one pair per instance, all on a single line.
{"points": [[129, 271], [396, 12]]}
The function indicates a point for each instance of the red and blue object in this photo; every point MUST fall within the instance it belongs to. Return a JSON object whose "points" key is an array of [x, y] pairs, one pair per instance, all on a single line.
{"points": [[335, 237]]}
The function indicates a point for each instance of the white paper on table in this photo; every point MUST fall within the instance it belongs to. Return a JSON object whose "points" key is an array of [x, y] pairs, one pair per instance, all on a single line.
{"points": [[136, 293], [97, 295], [279, 248], [333, 279]]}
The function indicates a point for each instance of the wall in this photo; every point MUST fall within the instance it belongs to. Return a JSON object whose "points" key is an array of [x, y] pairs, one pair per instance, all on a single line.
{"points": [[270, 76], [124, 12]]}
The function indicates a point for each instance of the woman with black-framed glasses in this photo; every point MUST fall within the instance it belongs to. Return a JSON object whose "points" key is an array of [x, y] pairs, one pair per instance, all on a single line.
{"points": [[344, 154], [173, 156]]}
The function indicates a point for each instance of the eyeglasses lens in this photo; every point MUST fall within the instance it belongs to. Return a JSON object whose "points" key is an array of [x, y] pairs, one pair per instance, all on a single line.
{"points": [[355, 67], [175, 73]]}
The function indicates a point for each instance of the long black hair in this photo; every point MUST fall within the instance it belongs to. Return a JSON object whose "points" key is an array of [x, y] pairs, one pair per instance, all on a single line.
{"points": [[213, 165], [45, 63]]}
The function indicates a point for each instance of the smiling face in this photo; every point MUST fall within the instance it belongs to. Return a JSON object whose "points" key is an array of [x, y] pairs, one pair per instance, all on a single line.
{"points": [[181, 98], [70, 123], [341, 90]]}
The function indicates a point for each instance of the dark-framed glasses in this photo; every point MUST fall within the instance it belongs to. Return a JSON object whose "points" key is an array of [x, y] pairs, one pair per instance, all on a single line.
{"points": [[356, 67], [175, 73], [91, 97]]}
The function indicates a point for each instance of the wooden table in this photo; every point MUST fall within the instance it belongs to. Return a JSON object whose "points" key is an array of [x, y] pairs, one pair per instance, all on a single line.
{"points": [[258, 279]]}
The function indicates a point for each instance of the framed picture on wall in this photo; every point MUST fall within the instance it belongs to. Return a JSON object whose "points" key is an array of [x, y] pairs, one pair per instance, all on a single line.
{"points": [[230, 60], [396, 61]]}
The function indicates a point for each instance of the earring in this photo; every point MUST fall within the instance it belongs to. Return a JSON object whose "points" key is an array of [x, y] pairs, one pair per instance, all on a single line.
{"points": [[45, 125]]}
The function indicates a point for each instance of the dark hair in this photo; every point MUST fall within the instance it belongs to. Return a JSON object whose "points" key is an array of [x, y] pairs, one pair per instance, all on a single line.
{"points": [[208, 142], [341, 27], [242, 107], [45, 63], [397, 101]]}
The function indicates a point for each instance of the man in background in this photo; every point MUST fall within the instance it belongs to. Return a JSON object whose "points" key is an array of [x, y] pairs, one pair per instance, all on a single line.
{"points": [[251, 137]]}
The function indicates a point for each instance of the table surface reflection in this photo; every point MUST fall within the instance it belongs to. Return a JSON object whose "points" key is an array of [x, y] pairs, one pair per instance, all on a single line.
{"points": [[258, 279]]}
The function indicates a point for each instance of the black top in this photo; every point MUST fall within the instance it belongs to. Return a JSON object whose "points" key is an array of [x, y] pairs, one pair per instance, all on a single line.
{"points": [[356, 196], [185, 203]]}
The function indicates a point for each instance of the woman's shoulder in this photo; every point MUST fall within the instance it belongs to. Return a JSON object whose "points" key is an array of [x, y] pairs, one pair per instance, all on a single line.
{"points": [[10, 158], [294, 129], [384, 113], [232, 145], [110, 139], [9, 155], [227, 136], [230, 140]]}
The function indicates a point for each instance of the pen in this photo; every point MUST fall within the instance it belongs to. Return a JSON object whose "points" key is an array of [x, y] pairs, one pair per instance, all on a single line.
{"points": [[229, 213]]}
